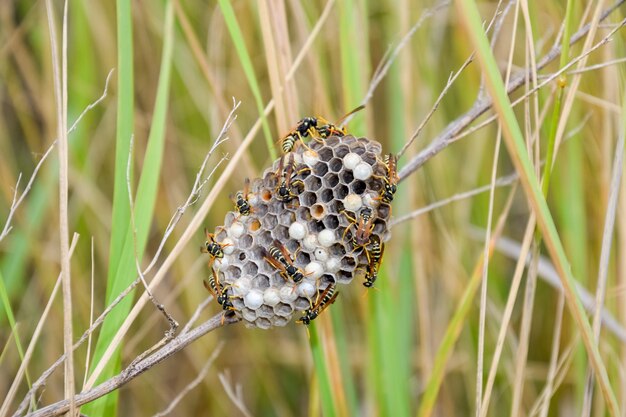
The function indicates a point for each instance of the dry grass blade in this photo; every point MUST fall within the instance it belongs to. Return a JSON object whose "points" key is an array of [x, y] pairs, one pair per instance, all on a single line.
{"points": [[59, 66], [234, 393]]}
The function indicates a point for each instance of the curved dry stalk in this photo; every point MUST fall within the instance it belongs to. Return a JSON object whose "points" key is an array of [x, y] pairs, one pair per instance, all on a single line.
{"points": [[451, 132], [135, 369]]}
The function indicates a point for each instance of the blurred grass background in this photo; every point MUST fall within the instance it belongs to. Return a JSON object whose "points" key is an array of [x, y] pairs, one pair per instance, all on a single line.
{"points": [[177, 66]]}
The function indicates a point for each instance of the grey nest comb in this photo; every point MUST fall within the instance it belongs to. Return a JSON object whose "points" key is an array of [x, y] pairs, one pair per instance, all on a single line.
{"points": [[332, 181]]}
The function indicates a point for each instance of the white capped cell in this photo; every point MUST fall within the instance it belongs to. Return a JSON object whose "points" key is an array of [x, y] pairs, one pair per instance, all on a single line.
{"points": [[321, 254], [271, 297], [351, 160], [314, 270], [253, 300], [362, 171], [241, 286], [287, 293], [306, 289], [333, 264], [352, 202], [297, 231], [236, 230], [310, 242], [326, 237], [371, 200], [221, 263], [310, 158], [228, 246]]}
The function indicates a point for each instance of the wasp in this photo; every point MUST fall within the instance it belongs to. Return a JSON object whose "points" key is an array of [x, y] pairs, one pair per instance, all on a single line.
{"points": [[213, 248], [390, 181], [241, 199], [286, 177], [374, 259], [278, 256], [317, 127], [215, 287], [364, 227], [325, 299]]}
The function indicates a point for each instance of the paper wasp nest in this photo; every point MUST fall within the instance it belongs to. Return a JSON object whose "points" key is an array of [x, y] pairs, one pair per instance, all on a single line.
{"points": [[345, 174]]}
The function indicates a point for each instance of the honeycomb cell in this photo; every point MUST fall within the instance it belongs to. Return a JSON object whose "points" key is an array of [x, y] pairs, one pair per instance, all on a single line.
{"points": [[318, 211], [326, 153], [344, 276], [313, 183], [279, 321], [302, 303], [265, 311], [342, 150], [346, 177], [308, 199], [330, 180], [269, 221], [303, 258], [358, 187], [340, 192], [327, 195], [261, 282], [320, 169], [234, 271], [331, 222], [263, 323], [245, 242], [283, 309], [335, 165], [250, 269]]}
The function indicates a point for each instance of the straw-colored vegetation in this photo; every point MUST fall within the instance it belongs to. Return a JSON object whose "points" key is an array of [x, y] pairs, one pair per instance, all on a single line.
{"points": [[503, 287]]}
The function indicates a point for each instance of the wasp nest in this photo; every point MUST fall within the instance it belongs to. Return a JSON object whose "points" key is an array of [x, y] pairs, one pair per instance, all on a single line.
{"points": [[312, 220]]}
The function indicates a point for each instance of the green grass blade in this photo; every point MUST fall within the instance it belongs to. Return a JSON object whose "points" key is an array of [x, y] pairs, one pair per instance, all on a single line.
{"points": [[327, 398], [122, 269], [248, 68], [517, 150]]}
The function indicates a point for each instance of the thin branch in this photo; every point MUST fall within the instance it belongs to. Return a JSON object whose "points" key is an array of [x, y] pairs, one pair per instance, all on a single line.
{"points": [[390, 56], [134, 370], [450, 133], [451, 79], [235, 394], [511, 249], [33, 341], [200, 181], [201, 375], [16, 203], [500, 182]]}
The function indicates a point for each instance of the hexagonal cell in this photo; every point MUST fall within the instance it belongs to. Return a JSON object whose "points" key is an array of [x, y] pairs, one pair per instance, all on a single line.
{"points": [[279, 321], [265, 311], [281, 233], [283, 309], [332, 141], [341, 192], [260, 210], [342, 150], [326, 195], [238, 304], [320, 169], [303, 258], [337, 249], [346, 177], [248, 315], [313, 183], [302, 304], [384, 210], [325, 154], [266, 195], [330, 180], [269, 221], [358, 187], [316, 226], [254, 226], [233, 271], [344, 277], [308, 198], [318, 211], [263, 323], [380, 227], [286, 218], [359, 149], [261, 282], [331, 222], [348, 263], [250, 269], [245, 241], [326, 280], [369, 157], [335, 165], [241, 256]]}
